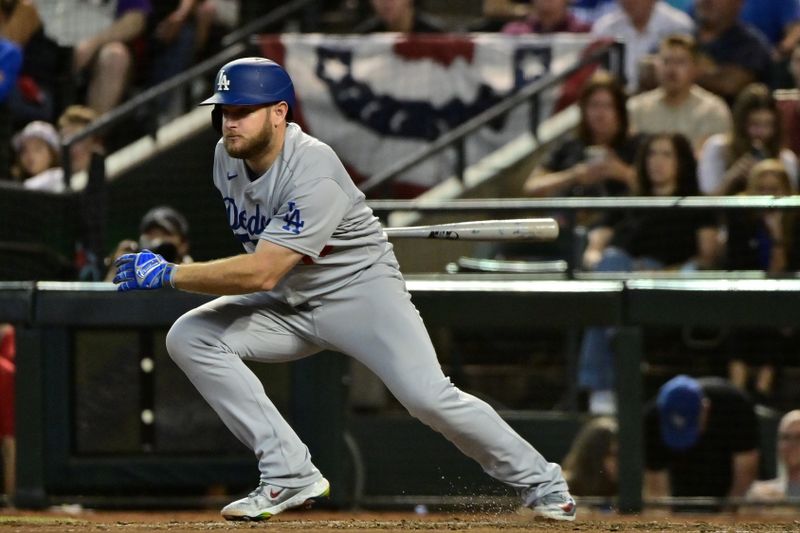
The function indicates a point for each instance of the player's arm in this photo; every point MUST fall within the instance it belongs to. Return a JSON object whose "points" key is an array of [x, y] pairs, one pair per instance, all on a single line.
{"points": [[239, 274], [745, 470]]}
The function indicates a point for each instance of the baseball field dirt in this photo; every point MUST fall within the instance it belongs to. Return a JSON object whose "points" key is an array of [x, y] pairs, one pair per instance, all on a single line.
{"points": [[326, 521]]}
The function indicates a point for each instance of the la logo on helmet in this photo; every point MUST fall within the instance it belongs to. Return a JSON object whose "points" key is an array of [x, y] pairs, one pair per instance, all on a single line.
{"points": [[224, 83]]}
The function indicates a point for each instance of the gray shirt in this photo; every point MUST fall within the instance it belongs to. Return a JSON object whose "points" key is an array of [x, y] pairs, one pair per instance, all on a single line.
{"points": [[307, 202]]}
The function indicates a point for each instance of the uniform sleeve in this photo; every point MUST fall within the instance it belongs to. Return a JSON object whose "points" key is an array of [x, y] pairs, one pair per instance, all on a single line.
{"points": [[307, 220]]}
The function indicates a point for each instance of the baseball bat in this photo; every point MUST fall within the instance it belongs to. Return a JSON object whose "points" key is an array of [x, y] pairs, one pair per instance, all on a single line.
{"points": [[520, 229]]}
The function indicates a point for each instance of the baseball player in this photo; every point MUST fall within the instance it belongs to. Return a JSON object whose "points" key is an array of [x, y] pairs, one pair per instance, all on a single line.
{"points": [[318, 274]]}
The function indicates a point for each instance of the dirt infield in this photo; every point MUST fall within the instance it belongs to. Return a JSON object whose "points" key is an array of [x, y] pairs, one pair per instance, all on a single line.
{"points": [[322, 521]]}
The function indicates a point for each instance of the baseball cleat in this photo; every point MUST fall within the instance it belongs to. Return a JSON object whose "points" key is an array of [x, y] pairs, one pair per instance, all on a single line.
{"points": [[268, 500], [555, 506]]}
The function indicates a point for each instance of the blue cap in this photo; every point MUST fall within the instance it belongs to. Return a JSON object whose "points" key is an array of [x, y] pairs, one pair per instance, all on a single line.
{"points": [[680, 401]]}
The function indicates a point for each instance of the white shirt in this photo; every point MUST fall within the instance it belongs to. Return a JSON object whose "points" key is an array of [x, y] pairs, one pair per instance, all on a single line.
{"points": [[712, 164], [664, 20], [51, 180]]}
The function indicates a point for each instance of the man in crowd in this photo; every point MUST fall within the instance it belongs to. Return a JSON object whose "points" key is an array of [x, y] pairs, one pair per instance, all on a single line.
{"points": [[701, 439], [641, 24], [679, 104], [733, 54]]}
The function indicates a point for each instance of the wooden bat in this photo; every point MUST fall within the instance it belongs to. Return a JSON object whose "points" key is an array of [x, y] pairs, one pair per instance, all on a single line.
{"points": [[520, 229]]}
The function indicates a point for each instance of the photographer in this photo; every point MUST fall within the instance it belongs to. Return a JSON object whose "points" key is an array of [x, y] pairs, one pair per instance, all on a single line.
{"points": [[163, 230]]}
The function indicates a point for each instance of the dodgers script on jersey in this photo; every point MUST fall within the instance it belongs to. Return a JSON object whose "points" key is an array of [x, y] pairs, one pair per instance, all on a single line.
{"points": [[305, 201]]}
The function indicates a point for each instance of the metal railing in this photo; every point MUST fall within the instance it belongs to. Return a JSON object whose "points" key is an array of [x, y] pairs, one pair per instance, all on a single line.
{"points": [[612, 55], [516, 205]]}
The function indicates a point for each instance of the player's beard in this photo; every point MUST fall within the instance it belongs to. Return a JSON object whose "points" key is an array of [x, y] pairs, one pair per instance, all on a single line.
{"points": [[249, 148]]}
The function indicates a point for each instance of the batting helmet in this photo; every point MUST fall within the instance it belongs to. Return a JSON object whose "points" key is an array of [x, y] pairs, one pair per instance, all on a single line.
{"points": [[250, 81]]}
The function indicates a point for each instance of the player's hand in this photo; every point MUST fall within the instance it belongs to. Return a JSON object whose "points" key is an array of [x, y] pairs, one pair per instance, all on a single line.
{"points": [[143, 271]]}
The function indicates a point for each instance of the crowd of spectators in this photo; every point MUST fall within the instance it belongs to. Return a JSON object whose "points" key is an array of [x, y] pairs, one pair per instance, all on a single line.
{"points": [[694, 113]]}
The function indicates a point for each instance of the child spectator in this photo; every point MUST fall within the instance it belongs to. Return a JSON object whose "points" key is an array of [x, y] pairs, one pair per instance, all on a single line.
{"points": [[768, 241], [37, 147]]}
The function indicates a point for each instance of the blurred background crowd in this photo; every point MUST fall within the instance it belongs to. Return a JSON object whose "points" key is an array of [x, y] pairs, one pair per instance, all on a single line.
{"points": [[707, 103]]}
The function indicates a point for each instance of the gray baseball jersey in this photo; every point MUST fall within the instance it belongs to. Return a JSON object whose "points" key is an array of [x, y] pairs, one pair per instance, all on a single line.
{"points": [[305, 201]]}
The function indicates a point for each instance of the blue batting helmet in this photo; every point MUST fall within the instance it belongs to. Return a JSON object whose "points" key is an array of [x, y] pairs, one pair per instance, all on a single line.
{"points": [[251, 81]]}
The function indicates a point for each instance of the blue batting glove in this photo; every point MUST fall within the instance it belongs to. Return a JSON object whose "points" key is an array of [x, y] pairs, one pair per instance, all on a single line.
{"points": [[143, 271]]}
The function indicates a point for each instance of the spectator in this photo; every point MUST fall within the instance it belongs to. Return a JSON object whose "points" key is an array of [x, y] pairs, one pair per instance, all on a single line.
{"points": [[547, 16], [37, 148], [725, 160], [734, 55], [641, 24], [787, 484], [8, 445], [171, 40], [701, 439], [591, 465], [764, 240], [761, 240], [214, 18], [402, 16], [679, 104], [599, 161], [162, 230], [32, 95], [72, 121], [645, 240], [778, 21], [103, 35]]}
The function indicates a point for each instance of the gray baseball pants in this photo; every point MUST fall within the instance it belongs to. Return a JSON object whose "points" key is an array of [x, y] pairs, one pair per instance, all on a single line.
{"points": [[373, 320]]}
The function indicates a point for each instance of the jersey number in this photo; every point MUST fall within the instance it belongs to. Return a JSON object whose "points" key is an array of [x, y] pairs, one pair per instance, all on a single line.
{"points": [[292, 219]]}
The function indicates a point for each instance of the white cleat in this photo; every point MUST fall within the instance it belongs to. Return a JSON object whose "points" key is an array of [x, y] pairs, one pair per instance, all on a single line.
{"points": [[555, 506], [268, 500]]}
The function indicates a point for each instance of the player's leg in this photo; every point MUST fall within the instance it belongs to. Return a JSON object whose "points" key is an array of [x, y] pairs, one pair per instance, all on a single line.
{"points": [[209, 344], [390, 339]]}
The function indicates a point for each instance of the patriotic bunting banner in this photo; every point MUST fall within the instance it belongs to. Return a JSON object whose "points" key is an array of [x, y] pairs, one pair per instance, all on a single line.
{"points": [[377, 99]]}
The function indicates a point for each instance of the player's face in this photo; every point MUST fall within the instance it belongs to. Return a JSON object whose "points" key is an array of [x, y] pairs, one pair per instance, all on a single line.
{"points": [[246, 130], [35, 156]]}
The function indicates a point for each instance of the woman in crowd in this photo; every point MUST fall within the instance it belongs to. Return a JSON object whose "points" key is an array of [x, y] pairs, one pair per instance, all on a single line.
{"points": [[599, 160], [38, 162], [726, 159], [655, 239]]}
